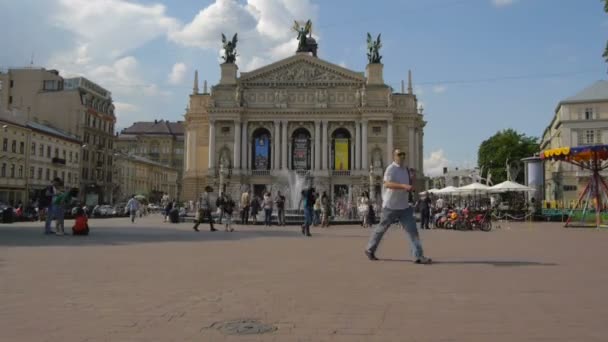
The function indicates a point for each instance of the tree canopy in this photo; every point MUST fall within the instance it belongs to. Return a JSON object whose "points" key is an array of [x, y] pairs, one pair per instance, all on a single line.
{"points": [[605, 55], [507, 144]]}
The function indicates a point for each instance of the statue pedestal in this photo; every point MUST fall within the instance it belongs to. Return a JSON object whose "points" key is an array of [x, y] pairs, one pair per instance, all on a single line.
{"points": [[228, 73], [374, 74]]}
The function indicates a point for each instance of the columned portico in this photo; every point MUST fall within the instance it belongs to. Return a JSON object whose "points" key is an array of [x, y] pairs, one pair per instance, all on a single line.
{"points": [[284, 145], [357, 145], [317, 149], [389, 140], [244, 148], [212, 144], [277, 148], [364, 152], [237, 145], [411, 149], [325, 147]]}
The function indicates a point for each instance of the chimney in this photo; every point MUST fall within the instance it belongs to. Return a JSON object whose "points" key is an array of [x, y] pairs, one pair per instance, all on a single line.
{"points": [[155, 121], [445, 170], [410, 89], [195, 86]]}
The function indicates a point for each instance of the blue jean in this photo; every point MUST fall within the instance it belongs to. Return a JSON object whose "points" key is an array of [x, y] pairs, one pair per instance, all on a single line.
{"points": [[308, 216], [267, 216], [50, 213], [407, 221]]}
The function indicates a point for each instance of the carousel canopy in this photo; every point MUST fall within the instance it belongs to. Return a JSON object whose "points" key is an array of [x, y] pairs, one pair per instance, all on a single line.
{"points": [[510, 186], [579, 153]]}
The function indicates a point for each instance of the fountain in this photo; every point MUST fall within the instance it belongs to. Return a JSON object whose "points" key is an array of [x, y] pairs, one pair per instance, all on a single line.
{"points": [[297, 183]]}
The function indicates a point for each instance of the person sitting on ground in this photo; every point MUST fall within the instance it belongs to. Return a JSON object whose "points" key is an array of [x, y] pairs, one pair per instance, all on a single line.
{"points": [[81, 225]]}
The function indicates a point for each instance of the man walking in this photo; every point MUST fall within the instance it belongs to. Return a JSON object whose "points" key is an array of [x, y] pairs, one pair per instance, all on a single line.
{"points": [[280, 202], [245, 208], [395, 207], [47, 202], [424, 205], [308, 199], [204, 210], [132, 207]]}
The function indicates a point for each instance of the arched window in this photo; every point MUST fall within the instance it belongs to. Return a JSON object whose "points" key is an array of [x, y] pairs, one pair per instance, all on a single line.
{"points": [[260, 149], [340, 150], [300, 150]]}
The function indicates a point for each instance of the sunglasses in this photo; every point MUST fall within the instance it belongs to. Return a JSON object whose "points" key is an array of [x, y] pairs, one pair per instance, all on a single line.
{"points": [[402, 154]]}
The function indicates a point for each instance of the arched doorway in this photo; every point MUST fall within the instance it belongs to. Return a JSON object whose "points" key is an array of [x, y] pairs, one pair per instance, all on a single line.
{"points": [[260, 149], [300, 150], [340, 150]]}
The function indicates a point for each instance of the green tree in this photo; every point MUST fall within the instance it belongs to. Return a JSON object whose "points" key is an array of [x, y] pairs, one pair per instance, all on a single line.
{"points": [[507, 144]]}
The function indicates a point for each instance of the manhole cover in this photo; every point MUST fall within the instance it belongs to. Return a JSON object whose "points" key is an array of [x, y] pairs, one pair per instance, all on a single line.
{"points": [[244, 327]]}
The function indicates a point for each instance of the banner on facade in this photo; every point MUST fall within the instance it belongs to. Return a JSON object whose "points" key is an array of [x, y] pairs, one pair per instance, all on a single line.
{"points": [[341, 154], [300, 153], [262, 152]]}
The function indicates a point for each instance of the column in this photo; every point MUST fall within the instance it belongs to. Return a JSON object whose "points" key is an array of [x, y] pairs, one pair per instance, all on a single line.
{"points": [[410, 145], [284, 145], [325, 147], [357, 165], [188, 151], [389, 140], [211, 144], [244, 150], [276, 140], [417, 151], [317, 150], [237, 144], [364, 151]]}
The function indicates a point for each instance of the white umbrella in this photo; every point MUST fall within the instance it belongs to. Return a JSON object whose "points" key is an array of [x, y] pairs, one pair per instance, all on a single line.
{"points": [[510, 186], [447, 190], [429, 191], [473, 187]]}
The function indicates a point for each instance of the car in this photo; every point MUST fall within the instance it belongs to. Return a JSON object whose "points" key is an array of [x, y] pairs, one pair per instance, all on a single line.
{"points": [[504, 206], [106, 210], [121, 210]]}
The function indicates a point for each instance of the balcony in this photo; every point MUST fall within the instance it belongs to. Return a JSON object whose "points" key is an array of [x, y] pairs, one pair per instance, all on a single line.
{"points": [[59, 161], [227, 172], [260, 172], [340, 173]]}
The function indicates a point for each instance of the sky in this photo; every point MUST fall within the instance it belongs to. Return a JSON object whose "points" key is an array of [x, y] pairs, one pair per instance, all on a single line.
{"points": [[479, 66]]}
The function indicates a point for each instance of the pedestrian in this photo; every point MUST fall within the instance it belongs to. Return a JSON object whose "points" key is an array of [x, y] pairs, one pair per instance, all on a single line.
{"points": [[308, 200], [395, 207], [325, 210], [317, 210], [280, 202], [167, 210], [363, 209], [424, 206], [267, 209], [228, 208], [255, 209], [46, 204], [62, 199], [219, 204], [245, 207], [204, 209], [132, 207]]}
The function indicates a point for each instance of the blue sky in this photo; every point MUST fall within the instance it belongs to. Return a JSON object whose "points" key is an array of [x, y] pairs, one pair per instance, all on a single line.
{"points": [[479, 65]]}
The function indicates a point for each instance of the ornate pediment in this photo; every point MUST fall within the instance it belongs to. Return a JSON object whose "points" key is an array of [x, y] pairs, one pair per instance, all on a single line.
{"points": [[302, 69]]}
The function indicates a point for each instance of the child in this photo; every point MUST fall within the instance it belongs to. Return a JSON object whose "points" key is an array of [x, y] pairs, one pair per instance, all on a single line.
{"points": [[228, 207], [81, 226]]}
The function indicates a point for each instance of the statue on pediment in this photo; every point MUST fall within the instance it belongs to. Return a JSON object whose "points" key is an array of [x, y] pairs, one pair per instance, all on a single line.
{"points": [[373, 49], [306, 43], [229, 49]]}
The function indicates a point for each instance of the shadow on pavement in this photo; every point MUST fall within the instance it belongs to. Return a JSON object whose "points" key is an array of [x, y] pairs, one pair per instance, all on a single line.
{"points": [[496, 263], [29, 236]]}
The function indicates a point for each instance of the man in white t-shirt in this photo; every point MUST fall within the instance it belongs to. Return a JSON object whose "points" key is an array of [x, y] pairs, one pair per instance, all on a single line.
{"points": [[396, 207]]}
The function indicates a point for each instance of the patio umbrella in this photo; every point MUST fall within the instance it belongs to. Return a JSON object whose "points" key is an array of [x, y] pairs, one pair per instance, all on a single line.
{"points": [[446, 191], [429, 191], [140, 197], [473, 187], [510, 186]]}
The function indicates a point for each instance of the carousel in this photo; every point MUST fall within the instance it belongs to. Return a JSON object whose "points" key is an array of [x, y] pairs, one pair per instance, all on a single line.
{"points": [[593, 199]]}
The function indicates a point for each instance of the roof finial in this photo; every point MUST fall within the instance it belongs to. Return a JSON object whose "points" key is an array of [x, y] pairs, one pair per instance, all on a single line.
{"points": [[205, 87], [195, 87], [409, 82]]}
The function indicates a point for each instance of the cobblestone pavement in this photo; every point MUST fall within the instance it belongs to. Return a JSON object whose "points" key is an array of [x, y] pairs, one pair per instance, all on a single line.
{"points": [[151, 281]]}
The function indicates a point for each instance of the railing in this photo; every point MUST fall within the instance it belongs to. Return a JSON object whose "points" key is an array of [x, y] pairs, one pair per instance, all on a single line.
{"points": [[227, 172], [340, 172], [260, 172], [303, 173]]}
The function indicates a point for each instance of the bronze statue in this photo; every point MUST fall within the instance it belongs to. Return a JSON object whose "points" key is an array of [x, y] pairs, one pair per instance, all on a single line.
{"points": [[373, 49], [306, 43], [229, 49]]}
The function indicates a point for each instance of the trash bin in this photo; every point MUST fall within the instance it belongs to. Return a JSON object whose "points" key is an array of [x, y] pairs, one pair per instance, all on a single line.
{"points": [[174, 216]]}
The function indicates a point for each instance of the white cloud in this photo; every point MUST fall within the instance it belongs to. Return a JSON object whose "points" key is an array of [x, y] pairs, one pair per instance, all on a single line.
{"points": [[178, 73], [263, 26], [503, 3], [125, 107], [439, 89], [434, 164]]}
